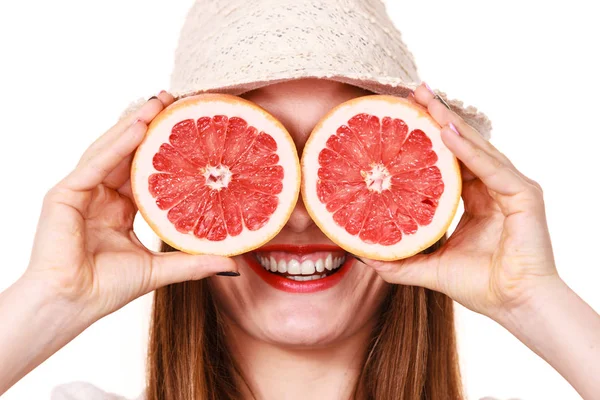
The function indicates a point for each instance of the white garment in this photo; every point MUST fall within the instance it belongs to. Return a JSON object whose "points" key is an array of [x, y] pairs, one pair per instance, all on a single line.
{"points": [[86, 391]]}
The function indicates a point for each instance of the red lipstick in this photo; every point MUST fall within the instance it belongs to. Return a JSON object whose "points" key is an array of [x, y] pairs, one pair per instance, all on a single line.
{"points": [[291, 286]]}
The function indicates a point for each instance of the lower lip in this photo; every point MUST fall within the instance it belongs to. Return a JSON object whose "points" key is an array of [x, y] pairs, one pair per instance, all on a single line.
{"points": [[291, 286]]}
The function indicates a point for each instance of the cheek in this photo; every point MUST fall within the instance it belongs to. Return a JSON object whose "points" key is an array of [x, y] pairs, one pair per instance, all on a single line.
{"points": [[315, 319]]}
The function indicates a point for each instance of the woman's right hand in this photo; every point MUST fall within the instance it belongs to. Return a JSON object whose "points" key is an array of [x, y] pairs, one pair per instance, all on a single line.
{"points": [[85, 249]]}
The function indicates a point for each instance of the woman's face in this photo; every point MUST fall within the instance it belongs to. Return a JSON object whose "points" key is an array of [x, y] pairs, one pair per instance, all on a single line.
{"points": [[273, 307]]}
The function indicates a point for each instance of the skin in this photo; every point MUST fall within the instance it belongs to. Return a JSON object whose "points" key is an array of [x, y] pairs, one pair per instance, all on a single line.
{"points": [[498, 262], [312, 340]]}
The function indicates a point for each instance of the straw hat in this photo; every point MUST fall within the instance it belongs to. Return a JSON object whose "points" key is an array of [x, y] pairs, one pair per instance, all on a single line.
{"points": [[233, 46]]}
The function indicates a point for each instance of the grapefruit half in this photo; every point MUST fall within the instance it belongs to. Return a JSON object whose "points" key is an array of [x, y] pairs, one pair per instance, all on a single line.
{"points": [[377, 178], [216, 174]]}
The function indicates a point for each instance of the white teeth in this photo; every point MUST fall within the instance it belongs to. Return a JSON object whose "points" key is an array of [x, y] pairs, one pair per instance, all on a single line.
{"points": [[307, 270], [264, 262], [307, 267], [302, 278], [338, 262], [282, 267], [320, 265], [329, 262], [293, 267]]}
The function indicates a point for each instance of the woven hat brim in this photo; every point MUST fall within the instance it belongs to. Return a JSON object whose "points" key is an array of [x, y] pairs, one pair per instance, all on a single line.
{"points": [[380, 85]]}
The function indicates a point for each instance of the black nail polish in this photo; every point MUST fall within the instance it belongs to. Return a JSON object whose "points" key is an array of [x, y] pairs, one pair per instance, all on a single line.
{"points": [[228, 274], [358, 259], [439, 98], [152, 98]]}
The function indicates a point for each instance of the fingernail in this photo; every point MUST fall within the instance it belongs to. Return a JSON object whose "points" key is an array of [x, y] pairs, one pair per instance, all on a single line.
{"points": [[228, 273], [135, 122], [152, 98], [161, 92], [451, 125], [358, 258], [439, 98], [429, 88]]}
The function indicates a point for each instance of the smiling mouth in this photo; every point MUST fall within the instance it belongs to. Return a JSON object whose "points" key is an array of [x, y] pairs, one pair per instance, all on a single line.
{"points": [[301, 268]]}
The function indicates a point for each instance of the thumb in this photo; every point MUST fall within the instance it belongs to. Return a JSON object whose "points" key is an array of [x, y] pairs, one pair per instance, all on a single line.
{"points": [[175, 267], [418, 270]]}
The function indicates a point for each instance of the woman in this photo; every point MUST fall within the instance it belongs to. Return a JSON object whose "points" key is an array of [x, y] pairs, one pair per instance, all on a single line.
{"points": [[385, 331]]}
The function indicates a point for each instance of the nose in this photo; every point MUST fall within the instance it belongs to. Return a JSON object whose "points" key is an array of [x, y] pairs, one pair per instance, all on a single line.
{"points": [[300, 220]]}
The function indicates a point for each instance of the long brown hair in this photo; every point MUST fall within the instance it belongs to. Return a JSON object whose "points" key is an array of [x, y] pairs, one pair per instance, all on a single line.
{"points": [[412, 354]]}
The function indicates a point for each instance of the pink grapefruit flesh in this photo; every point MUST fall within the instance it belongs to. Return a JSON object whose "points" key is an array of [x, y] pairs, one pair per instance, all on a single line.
{"points": [[216, 174], [377, 178]]}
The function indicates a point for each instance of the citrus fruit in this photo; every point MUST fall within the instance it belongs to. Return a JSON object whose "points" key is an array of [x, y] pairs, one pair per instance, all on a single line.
{"points": [[377, 178], [216, 174]]}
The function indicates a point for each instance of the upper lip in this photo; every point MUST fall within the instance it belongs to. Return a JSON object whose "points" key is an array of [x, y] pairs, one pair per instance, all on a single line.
{"points": [[299, 249]]}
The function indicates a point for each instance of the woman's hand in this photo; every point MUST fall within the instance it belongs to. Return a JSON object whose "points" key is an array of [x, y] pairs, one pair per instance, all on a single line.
{"points": [[85, 249], [499, 260], [86, 261], [500, 252]]}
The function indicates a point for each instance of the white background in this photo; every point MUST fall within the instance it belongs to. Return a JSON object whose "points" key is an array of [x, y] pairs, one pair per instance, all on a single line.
{"points": [[68, 68]]}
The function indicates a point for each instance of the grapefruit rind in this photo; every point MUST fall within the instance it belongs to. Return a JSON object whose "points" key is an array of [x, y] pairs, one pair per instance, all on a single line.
{"points": [[416, 117], [195, 107]]}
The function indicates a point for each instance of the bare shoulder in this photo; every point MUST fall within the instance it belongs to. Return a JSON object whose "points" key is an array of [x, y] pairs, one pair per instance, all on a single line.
{"points": [[84, 391]]}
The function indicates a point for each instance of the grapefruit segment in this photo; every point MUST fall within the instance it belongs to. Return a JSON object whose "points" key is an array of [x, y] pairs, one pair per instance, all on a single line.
{"points": [[377, 178], [216, 174]]}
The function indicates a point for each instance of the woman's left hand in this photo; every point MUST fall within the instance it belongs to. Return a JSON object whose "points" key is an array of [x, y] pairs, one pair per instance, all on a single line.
{"points": [[500, 252]]}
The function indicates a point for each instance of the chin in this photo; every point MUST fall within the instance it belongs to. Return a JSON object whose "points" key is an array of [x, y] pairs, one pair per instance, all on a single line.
{"points": [[306, 296], [307, 322]]}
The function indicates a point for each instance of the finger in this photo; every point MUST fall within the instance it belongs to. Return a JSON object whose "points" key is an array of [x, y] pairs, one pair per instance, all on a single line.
{"points": [[166, 98], [118, 176], [126, 190], [175, 267], [146, 113], [496, 175], [466, 174], [476, 196], [443, 116], [478, 200], [93, 171], [424, 96], [418, 270]]}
